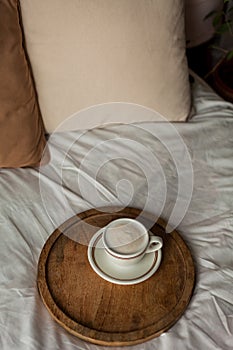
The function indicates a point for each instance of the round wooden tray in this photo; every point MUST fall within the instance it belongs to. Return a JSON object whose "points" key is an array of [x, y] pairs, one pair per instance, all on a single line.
{"points": [[101, 312]]}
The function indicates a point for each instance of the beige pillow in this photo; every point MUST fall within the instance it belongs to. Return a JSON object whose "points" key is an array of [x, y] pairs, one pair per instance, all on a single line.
{"points": [[89, 52]]}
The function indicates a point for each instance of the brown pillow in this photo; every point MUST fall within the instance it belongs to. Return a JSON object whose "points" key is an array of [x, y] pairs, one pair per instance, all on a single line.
{"points": [[22, 137]]}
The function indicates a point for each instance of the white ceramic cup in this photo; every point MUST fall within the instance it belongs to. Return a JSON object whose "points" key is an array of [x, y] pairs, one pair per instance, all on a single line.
{"points": [[126, 241]]}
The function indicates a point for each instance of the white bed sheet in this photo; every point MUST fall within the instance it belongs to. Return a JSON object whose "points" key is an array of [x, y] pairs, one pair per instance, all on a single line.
{"points": [[32, 205]]}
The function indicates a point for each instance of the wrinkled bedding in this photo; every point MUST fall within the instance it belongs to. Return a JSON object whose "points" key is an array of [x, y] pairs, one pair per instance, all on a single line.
{"points": [[125, 165]]}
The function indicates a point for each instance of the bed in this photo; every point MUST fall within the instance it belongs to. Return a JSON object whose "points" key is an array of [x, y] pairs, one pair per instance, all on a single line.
{"points": [[177, 168], [34, 201]]}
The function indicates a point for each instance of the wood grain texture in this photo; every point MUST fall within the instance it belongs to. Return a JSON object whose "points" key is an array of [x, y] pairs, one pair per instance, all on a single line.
{"points": [[104, 313]]}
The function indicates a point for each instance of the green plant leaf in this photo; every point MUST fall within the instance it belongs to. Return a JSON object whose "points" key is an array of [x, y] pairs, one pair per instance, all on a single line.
{"points": [[225, 27], [229, 56], [217, 19]]}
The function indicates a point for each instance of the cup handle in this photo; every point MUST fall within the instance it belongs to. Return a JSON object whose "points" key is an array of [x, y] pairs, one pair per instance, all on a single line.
{"points": [[155, 243]]}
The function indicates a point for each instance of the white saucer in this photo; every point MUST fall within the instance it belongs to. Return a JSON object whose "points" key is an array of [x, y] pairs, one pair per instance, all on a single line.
{"points": [[105, 268]]}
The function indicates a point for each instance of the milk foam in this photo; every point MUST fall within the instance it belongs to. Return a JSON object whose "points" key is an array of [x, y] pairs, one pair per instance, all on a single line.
{"points": [[126, 238]]}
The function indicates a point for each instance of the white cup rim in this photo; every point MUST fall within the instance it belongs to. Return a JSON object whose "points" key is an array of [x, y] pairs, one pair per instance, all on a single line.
{"points": [[125, 256]]}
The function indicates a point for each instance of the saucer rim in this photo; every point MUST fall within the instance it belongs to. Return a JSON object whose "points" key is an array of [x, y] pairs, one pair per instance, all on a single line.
{"points": [[114, 280]]}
